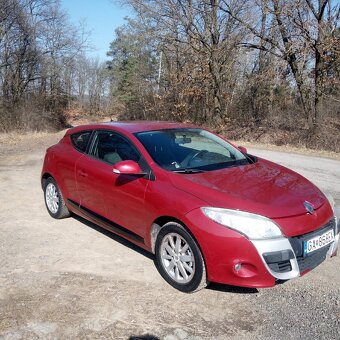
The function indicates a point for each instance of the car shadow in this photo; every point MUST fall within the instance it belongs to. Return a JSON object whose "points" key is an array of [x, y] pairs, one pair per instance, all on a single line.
{"points": [[114, 237], [231, 289], [212, 286], [143, 337]]}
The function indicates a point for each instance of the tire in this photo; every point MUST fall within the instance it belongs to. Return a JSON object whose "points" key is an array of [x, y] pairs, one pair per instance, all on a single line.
{"points": [[54, 200], [179, 259]]}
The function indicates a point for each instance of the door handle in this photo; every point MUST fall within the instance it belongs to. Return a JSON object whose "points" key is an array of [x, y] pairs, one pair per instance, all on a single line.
{"points": [[82, 173]]}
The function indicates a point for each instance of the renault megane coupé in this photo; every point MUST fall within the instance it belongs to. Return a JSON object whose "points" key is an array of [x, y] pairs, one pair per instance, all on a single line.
{"points": [[208, 210]]}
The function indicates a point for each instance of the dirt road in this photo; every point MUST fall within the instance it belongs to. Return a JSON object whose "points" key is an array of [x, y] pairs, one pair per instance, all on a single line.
{"points": [[69, 279]]}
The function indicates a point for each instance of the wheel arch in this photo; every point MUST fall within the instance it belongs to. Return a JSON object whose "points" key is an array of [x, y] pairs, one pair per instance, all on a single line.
{"points": [[44, 177], [158, 224]]}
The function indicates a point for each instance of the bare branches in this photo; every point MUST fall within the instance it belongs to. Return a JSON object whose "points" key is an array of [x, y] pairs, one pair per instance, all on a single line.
{"points": [[312, 8], [219, 59], [318, 14], [262, 48], [218, 50], [36, 45]]}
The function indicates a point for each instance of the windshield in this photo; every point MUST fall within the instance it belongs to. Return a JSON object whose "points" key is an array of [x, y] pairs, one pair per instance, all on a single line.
{"points": [[190, 150]]}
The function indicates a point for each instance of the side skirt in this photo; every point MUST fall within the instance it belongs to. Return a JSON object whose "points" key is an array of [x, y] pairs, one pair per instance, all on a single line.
{"points": [[106, 223]]}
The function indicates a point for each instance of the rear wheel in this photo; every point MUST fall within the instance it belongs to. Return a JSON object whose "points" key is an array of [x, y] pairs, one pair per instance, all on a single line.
{"points": [[54, 200], [179, 259]]}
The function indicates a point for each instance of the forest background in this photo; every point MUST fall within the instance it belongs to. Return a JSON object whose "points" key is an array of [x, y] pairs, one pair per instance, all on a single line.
{"points": [[257, 70]]}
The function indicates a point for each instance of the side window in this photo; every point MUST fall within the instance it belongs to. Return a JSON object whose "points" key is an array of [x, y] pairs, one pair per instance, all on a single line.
{"points": [[80, 140], [113, 148]]}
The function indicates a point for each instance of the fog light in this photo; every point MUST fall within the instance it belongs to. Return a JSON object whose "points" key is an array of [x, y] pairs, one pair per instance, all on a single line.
{"points": [[244, 270], [238, 266]]}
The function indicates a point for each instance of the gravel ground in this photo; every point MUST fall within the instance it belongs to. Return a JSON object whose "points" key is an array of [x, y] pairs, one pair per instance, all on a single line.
{"points": [[70, 279]]}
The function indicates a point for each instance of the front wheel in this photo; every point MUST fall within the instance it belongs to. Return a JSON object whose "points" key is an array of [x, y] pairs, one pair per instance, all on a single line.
{"points": [[179, 259], [54, 200]]}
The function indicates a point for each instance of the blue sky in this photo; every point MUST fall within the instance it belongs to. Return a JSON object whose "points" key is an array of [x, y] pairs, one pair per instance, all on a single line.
{"points": [[102, 17]]}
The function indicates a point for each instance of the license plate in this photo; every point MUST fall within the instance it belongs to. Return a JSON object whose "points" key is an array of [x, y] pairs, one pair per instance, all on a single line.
{"points": [[318, 242]]}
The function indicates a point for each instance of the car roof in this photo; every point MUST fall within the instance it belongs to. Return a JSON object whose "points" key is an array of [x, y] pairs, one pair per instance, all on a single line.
{"points": [[132, 126]]}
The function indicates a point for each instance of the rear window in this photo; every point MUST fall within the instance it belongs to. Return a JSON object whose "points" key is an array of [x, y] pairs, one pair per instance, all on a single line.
{"points": [[80, 140]]}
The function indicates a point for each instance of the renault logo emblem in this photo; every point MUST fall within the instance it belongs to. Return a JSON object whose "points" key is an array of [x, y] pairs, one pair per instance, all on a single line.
{"points": [[309, 207]]}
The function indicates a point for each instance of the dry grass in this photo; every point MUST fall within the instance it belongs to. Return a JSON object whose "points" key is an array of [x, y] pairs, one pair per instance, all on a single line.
{"points": [[16, 137], [24, 143], [325, 142], [260, 139], [36, 140]]}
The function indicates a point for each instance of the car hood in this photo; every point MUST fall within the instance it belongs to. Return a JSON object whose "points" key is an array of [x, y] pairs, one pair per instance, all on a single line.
{"points": [[263, 188]]}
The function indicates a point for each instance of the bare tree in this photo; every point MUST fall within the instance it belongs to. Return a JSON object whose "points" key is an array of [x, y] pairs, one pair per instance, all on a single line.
{"points": [[301, 34], [199, 45], [36, 45]]}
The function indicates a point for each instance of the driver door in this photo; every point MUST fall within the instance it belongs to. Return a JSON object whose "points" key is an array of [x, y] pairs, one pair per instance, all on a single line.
{"points": [[121, 196]]}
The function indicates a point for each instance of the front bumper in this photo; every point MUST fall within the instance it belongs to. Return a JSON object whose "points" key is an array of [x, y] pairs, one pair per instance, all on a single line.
{"points": [[284, 258], [233, 259]]}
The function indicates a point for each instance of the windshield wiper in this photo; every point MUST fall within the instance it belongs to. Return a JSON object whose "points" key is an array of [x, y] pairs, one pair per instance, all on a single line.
{"points": [[188, 171]]}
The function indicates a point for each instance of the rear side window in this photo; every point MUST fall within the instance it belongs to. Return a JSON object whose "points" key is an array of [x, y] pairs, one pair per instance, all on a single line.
{"points": [[80, 140], [112, 148]]}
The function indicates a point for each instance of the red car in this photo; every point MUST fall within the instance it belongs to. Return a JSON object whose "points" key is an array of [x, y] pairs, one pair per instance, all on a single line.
{"points": [[208, 210]]}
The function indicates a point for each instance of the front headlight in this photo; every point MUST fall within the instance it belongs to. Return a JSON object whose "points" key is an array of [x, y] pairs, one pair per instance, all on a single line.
{"points": [[255, 227]]}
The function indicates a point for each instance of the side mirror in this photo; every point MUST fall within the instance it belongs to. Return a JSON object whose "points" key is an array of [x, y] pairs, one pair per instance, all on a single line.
{"points": [[128, 168], [243, 149]]}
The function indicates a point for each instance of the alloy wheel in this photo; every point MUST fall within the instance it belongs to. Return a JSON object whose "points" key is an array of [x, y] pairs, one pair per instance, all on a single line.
{"points": [[177, 258], [52, 198]]}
